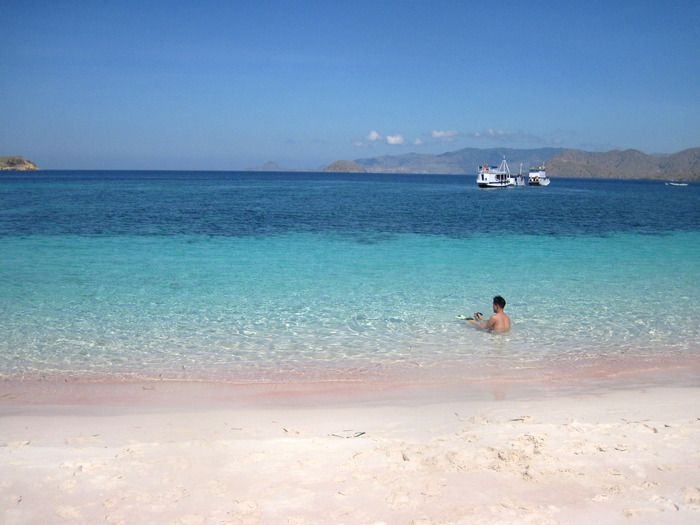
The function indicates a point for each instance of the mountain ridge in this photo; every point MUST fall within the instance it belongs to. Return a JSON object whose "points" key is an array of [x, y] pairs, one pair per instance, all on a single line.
{"points": [[560, 162]]}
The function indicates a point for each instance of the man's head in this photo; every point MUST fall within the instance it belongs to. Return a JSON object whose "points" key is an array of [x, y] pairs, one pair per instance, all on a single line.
{"points": [[499, 303]]}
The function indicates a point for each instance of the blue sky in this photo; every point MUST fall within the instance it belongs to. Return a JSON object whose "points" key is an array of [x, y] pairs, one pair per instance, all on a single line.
{"points": [[231, 85]]}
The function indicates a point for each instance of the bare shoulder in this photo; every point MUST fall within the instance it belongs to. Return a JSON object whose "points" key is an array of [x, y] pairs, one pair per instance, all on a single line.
{"points": [[506, 320], [501, 322]]}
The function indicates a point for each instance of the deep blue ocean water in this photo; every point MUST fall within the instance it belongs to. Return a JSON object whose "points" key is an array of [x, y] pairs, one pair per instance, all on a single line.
{"points": [[202, 275]]}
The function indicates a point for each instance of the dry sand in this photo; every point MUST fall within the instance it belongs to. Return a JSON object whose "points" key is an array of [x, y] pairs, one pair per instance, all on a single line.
{"points": [[629, 456]]}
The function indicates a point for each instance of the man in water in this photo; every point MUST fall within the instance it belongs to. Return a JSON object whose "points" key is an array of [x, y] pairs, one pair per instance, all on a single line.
{"points": [[498, 322]]}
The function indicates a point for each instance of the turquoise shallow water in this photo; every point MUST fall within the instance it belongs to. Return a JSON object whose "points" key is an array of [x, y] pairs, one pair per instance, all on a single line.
{"points": [[144, 298]]}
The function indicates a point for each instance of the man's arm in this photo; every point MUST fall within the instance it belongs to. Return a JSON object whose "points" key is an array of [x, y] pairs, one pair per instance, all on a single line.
{"points": [[489, 324]]}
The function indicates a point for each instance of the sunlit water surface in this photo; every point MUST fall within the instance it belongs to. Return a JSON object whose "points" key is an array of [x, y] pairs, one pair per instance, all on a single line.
{"points": [[257, 277]]}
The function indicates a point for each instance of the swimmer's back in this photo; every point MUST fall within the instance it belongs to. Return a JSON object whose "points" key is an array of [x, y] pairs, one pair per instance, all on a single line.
{"points": [[501, 322]]}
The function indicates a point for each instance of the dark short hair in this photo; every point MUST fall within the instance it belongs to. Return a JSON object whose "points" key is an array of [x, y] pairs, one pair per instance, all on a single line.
{"points": [[500, 301]]}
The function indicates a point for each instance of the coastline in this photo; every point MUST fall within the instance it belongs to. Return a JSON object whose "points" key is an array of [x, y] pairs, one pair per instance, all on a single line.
{"points": [[399, 382], [347, 452]]}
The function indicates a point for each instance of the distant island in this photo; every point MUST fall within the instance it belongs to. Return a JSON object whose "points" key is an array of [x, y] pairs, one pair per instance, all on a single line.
{"points": [[268, 166], [560, 162], [345, 166], [17, 164]]}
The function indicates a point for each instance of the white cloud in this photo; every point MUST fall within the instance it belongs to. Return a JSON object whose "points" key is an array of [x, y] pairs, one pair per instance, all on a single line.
{"points": [[374, 136], [446, 134], [394, 140], [418, 142]]}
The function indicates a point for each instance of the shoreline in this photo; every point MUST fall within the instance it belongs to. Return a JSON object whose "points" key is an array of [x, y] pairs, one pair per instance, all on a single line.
{"points": [[399, 384]]}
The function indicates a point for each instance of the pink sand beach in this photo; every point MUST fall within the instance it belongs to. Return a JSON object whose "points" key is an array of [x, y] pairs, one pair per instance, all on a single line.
{"points": [[347, 452]]}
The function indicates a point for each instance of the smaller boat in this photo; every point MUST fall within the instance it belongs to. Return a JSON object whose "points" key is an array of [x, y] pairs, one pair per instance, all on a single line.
{"points": [[538, 176], [519, 179], [676, 184]]}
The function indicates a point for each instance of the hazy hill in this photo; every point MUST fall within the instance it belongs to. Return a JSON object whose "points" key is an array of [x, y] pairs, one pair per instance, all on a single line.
{"points": [[618, 164], [17, 163], [344, 166], [627, 164], [458, 162], [682, 165], [268, 166]]}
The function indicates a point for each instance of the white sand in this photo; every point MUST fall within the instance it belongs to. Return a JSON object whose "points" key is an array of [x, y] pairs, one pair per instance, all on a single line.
{"points": [[620, 457]]}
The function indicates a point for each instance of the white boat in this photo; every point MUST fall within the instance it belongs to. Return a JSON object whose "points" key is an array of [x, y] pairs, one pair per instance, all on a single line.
{"points": [[676, 184], [497, 177], [538, 176]]}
